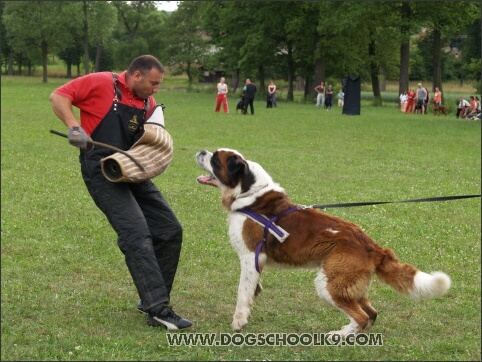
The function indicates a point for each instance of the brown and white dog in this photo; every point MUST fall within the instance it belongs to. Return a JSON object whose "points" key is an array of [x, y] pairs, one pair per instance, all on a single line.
{"points": [[345, 256]]}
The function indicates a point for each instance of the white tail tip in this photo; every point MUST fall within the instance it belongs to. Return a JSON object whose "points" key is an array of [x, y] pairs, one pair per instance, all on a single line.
{"points": [[431, 285]]}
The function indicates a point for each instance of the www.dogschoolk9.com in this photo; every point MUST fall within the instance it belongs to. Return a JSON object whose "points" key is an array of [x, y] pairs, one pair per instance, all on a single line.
{"points": [[273, 339]]}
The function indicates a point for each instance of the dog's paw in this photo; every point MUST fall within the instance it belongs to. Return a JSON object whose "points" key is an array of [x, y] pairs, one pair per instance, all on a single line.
{"points": [[334, 337], [349, 329], [239, 321]]}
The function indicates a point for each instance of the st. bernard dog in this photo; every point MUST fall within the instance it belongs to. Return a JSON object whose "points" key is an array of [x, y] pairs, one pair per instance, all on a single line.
{"points": [[345, 256]]}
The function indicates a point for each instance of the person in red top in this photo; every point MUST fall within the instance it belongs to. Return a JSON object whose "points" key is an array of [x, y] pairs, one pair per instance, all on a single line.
{"points": [[410, 101], [113, 108], [437, 97]]}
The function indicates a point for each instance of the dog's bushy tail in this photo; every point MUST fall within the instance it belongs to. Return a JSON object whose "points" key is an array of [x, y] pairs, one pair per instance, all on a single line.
{"points": [[408, 280]]}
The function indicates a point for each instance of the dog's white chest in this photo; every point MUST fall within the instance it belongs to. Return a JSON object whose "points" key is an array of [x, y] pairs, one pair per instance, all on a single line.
{"points": [[235, 224]]}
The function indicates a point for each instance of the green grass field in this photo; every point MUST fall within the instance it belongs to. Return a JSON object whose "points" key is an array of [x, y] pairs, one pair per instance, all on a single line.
{"points": [[67, 294]]}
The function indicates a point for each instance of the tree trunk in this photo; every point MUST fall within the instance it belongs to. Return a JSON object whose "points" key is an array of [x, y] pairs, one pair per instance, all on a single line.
{"points": [[319, 72], [291, 74], [437, 66], [406, 13], [45, 54], [374, 70], [189, 74], [307, 89], [98, 56], [10, 63], [85, 38], [69, 70], [261, 81], [235, 80]]}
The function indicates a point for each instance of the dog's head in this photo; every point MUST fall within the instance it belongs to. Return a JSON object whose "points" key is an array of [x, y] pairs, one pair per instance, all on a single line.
{"points": [[241, 181]]}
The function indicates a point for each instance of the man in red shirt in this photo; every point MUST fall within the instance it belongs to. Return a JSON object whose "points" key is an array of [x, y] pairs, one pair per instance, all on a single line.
{"points": [[113, 108]]}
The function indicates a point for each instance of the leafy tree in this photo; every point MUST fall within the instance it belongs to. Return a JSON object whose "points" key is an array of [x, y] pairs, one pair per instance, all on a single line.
{"points": [[406, 25], [441, 21], [98, 20], [137, 22], [472, 51], [36, 27], [225, 23], [6, 50], [371, 41], [317, 40], [186, 47], [278, 38], [71, 55]]}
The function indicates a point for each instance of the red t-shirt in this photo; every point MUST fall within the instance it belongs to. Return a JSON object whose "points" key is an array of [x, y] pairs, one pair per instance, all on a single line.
{"points": [[93, 94]]}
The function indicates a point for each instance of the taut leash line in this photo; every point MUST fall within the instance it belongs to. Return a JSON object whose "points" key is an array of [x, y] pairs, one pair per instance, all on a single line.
{"points": [[428, 199]]}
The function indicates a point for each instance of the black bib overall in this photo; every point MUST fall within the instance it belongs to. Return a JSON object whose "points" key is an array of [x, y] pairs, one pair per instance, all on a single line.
{"points": [[149, 234]]}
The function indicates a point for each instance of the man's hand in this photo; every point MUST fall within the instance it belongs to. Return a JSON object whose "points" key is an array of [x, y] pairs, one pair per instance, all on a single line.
{"points": [[77, 137]]}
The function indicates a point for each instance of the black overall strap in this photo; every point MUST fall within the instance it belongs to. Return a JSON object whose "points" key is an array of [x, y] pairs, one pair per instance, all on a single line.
{"points": [[118, 96], [117, 91]]}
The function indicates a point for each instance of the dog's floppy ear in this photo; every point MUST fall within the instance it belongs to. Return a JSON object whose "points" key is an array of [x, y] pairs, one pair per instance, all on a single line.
{"points": [[238, 170], [236, 166]]}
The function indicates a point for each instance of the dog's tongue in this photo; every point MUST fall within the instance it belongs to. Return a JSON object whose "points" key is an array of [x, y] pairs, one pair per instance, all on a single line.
{"points": [[204, 179]]}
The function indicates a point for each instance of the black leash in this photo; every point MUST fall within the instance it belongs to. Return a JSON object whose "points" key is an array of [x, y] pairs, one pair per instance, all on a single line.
{"points": [[105, 145], [429, 199]]}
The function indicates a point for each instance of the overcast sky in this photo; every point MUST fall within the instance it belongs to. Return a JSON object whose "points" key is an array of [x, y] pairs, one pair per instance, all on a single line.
{"points": [[167, 5]]}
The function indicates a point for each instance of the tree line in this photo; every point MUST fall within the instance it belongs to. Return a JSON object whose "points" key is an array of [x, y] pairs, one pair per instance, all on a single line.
{"points": [[261, 40]]}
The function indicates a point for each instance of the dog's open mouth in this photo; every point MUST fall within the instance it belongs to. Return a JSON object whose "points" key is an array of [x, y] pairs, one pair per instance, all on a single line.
{"points": [[207, 180]]}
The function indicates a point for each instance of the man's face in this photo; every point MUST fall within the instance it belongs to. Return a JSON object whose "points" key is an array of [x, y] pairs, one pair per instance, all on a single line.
{"points": [[147, 85]]}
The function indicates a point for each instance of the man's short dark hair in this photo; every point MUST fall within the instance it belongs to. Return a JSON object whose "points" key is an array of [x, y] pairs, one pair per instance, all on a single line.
{"points": [[144, 64]]}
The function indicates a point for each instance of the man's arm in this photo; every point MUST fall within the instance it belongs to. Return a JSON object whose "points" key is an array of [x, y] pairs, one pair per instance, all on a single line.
{"points": [[62, 107]]}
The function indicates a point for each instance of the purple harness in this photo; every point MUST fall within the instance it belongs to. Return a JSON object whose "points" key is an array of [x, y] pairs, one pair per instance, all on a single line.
{"points": [[269, 226]]}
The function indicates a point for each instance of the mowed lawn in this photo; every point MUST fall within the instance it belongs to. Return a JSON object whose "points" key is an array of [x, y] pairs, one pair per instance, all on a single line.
{"points": [[67, 294]]}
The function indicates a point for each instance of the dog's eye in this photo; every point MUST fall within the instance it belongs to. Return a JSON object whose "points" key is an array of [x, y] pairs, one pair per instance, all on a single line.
{"points": [[214, 160]]}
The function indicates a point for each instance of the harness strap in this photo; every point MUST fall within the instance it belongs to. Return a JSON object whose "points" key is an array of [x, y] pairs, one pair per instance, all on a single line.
{"points": [[262, 220], [256, 255], [269, 226]]}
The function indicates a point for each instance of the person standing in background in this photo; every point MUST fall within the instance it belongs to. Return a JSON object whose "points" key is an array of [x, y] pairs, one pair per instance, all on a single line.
{"points": [[403, 101], [422, 97], [272, 93], [249, 93], [320, 97], [341, 98], [410, 101], [329, 97], [222, 96], [437, 97]]}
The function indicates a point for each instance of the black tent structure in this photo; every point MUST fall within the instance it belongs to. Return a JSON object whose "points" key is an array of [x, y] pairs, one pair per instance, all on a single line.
{"points": [[352, 90]]}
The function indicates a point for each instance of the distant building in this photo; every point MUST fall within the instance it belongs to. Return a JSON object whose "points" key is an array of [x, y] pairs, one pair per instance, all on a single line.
{"points": [[207, 75]]}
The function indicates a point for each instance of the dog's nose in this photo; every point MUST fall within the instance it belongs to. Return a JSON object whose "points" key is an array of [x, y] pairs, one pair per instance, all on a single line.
{"points": [[200, 154]]}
